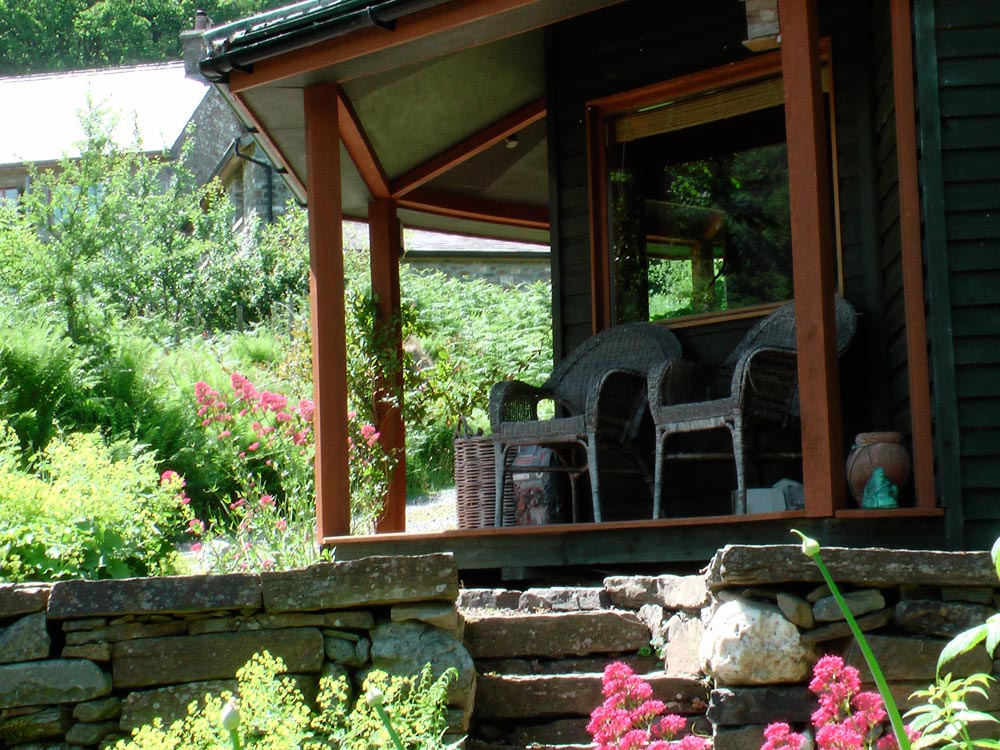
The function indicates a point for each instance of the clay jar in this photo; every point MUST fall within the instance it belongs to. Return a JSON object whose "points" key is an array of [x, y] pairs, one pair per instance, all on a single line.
{"points": [[872, 449]]}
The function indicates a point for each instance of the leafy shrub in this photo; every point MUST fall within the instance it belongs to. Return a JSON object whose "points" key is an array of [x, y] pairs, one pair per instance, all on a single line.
{"points": [[85, 510], [273, 715]]}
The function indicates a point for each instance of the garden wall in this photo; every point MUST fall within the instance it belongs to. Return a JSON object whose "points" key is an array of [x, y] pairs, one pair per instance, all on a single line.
{"points": [[84, 662]]}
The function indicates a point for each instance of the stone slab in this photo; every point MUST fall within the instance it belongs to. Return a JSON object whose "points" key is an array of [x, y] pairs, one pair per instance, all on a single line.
{"points": [[564, 599], [18, 599], [166, 661], [749, 737], [169, 703], [91, 734], [907, 658], [796, 609], [746, 565], [489, 599], [100, 651], [738, 706], [366, 582], [99, 710], [51, 682], [26, 639], [439, 614], [939, 618], [834, 630], [559, 732], [858, 602], [126, 632], [641, 665], [553, 696], [555, 635], [669, 591], [177, 594], [46, 724]]}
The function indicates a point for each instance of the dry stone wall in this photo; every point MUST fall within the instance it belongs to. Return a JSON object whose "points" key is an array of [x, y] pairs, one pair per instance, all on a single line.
{"points": [[84, 662]]}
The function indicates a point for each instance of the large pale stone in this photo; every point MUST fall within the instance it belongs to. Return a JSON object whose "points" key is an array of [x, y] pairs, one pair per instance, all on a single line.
{"points": [[18, 599], [403, 648], [944, 619], [46, 724], [684, 634], [669, 591], [556, 634], [563, 599], [52, 681], [746, 565], [903, 658], [369, 581], [736, 706], [169, 661], [25, 640], [549, 696], [748, 643], [176, 594], [858, 602]]}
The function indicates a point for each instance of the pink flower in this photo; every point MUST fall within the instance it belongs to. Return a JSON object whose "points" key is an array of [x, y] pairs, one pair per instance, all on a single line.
{"points": [[196, 547], [238, 503], [283, 416], [306, 409], [224, 434], [196, 526], [779, 736], [266, 501], [170, 477], [693, 742], [267, 564], [253, 446], [281, 524], [670, 725], [183, 499], [352, 414]]}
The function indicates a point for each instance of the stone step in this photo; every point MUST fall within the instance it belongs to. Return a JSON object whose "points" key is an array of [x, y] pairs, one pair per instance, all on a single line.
{"points": [[551, 696], [554, 635], [638, 664]]}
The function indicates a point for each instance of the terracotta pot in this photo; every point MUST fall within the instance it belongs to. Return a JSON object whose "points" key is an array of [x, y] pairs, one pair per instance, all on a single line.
{"points": [[873, 449]]}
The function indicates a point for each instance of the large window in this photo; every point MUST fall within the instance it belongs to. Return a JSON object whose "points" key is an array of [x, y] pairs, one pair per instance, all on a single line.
{"points": [[692, 179]]}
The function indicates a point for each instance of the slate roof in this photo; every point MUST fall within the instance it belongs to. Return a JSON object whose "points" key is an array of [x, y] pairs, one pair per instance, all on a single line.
{"points": [[41, 112]]}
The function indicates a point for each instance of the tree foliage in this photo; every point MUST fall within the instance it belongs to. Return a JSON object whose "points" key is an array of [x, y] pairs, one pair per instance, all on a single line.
{"points": [[41, 36]]}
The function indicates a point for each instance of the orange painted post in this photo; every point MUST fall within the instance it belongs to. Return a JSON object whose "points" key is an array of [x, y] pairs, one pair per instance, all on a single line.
{"points": [[386, 247], [812, 260], [326, 294], [913, 265]]}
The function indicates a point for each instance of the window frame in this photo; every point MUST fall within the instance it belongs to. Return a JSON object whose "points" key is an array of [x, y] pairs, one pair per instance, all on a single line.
{"points": [[600, 114]]}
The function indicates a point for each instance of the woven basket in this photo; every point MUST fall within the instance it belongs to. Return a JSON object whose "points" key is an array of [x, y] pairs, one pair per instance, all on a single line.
{"points": [[475, 484]]}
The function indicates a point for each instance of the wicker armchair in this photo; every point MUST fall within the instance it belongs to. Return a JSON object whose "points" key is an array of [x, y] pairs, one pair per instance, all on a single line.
{"points": [[763, 390], [600, 395]]}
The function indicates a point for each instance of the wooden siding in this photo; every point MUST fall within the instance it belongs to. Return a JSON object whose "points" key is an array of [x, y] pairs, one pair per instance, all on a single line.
{"points": [[962, 117]]}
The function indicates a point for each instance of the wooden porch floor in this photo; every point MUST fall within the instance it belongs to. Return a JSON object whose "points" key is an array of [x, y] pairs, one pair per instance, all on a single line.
{"points": [[681, 543]]}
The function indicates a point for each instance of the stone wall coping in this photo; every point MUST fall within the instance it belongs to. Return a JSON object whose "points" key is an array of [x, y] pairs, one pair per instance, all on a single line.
{"points": [[749, 565]]}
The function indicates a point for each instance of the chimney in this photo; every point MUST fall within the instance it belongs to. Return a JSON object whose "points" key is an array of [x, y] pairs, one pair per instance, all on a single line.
{"points": [[193, 47]]}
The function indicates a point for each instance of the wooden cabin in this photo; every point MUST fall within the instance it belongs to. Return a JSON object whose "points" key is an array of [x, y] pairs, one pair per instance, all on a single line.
{"points": [[754, 151]]}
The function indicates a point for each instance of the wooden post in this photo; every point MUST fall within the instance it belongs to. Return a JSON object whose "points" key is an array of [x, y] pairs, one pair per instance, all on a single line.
{"points": [[386, 247], [912, 257], [326, 295], [812, 260]]}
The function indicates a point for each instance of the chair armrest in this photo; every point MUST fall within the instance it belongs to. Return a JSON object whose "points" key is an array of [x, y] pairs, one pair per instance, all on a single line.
{"points": [[514, 401], [676, 381]]}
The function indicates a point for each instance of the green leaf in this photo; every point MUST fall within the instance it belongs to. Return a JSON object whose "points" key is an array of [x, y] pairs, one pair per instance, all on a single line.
{"points": [[961, 643]]}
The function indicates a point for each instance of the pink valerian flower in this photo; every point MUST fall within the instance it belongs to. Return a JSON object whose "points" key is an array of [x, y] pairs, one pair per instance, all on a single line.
{"points": [[281, 524], [266, 501], [888, 741], [196, 526], [779, 736], [253, 446], [629, 718], [196, 547], [183, 499], [170, 477], [370, 434], [306, 409]]}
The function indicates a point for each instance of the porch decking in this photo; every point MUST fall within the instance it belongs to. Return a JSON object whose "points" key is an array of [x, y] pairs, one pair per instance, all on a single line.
{"points": [[521, 552]]}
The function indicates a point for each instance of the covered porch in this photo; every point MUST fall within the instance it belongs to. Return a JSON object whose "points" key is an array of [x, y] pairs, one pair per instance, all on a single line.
{"points": [[505, 118]]}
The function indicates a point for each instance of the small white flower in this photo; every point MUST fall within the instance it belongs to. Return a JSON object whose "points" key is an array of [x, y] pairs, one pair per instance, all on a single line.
{"points": [[230, 716]]}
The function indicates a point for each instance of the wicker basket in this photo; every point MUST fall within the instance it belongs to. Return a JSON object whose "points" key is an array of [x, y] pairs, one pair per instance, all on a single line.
{"points": [[475, 484]]}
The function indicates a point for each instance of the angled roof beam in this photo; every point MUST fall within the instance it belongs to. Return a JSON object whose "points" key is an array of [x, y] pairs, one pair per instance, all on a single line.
{"points": [[355, 140], [477, 209], [263, 137], [465, 150]]}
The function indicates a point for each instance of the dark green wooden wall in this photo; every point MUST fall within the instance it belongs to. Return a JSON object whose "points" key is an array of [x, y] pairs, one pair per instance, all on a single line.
{"points": [[958, 77]]}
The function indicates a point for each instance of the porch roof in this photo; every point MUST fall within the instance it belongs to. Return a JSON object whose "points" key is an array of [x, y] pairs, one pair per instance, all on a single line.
{"points": [[473, 161]]}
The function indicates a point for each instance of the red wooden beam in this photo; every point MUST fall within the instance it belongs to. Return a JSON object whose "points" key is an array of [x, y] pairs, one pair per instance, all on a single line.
{"points": [[386, 247], [812, 260], [360, 149], [478, 209], [474, 144], [326, 295], [912, 257]]}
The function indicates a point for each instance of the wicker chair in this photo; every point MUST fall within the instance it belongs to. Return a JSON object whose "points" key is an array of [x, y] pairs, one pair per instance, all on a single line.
{"points": [[600, 394], [762, 377]]}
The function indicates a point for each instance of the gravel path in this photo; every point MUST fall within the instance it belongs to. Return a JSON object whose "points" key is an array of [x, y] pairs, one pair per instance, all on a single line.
{"points": [[435, 512]]}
